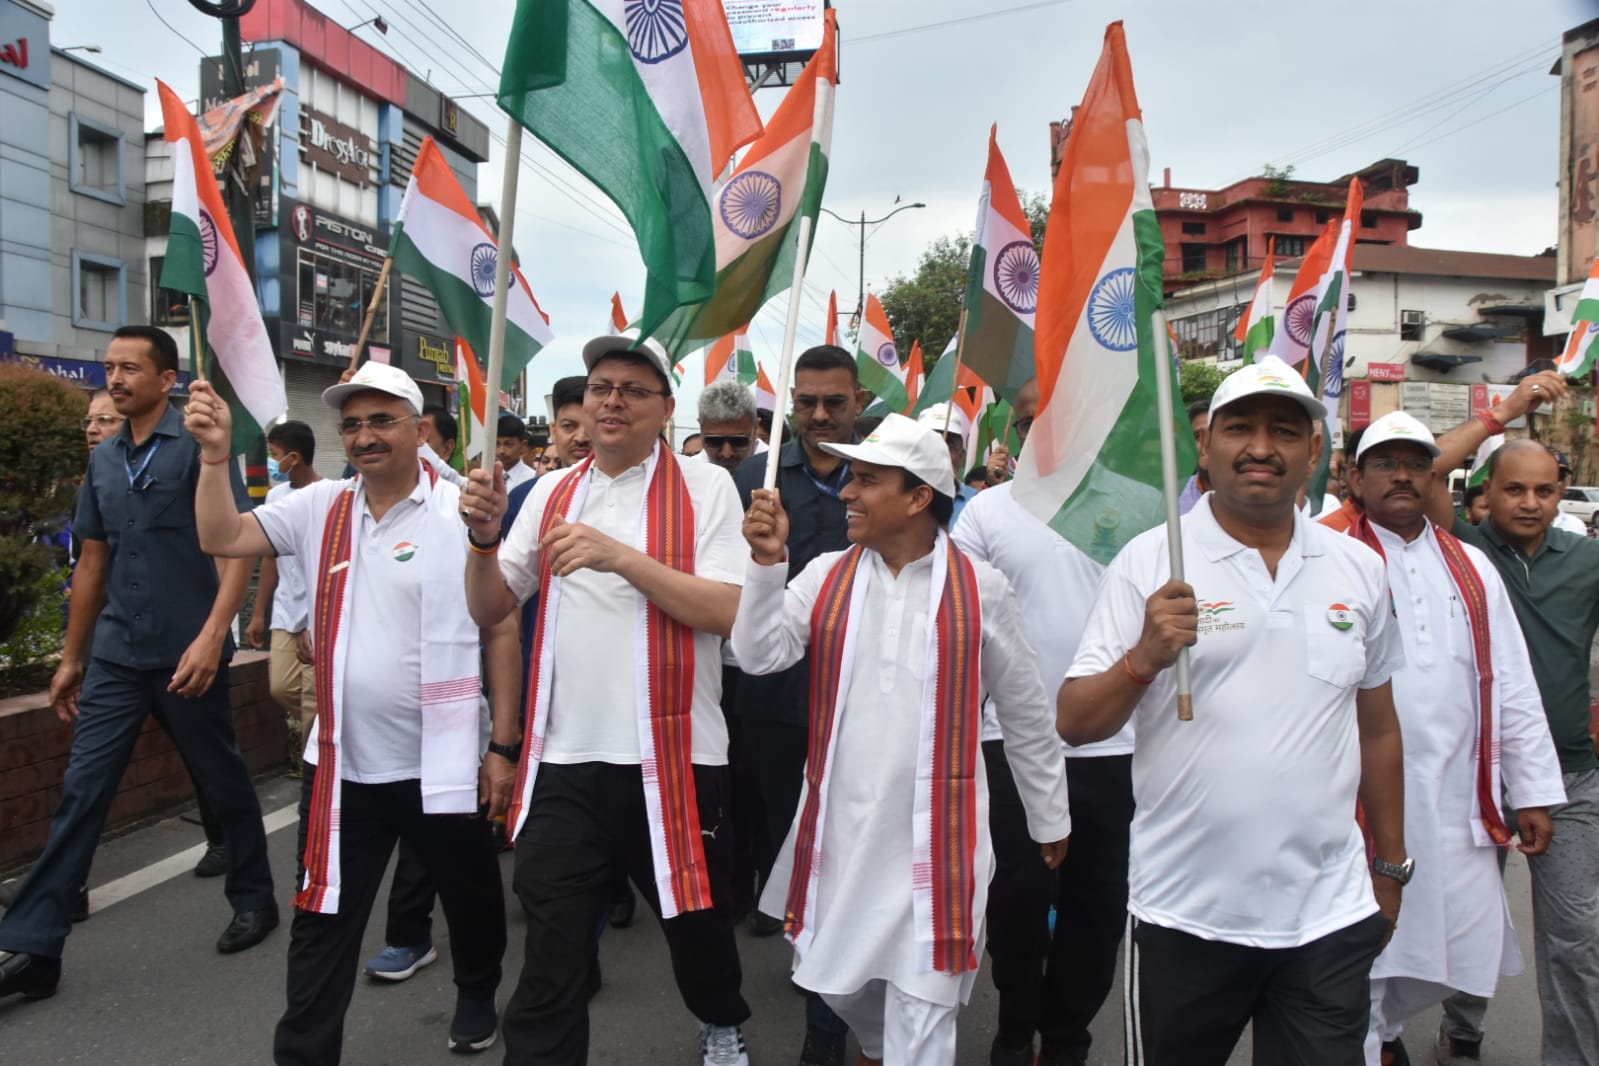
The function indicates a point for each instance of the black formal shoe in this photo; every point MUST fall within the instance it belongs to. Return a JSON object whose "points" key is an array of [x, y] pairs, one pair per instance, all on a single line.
{"points": [[765, 925], [1394, 1054], [80, 902], [33, 976], [214, 863], [248, 929], [622, 911], [822, 1048], [1007, 1054]]}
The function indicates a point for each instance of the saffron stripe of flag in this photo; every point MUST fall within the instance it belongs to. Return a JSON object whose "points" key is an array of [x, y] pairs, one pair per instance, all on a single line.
{"points": [[618, 316], [472, 397], [1001, 282], [1582, 346], [1258, 326]]}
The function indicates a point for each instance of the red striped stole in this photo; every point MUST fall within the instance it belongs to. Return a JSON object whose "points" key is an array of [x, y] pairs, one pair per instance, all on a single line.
{"points": [[1474, 595], [322, 837], [944, 878]]}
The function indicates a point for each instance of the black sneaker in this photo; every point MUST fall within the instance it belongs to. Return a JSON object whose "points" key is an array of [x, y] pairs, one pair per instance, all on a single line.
{"points": [[1394, 1053], [822, 1048], [765, 925], [1002, 1054], [214, 863], [473, 1028]]}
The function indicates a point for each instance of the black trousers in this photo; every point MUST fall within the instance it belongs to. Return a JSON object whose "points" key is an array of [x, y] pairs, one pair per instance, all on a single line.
{"points": [[1018, 903], [776, 753], [582, 820], [325, 949], [411, 896], [751, 837], [1189, 999]]}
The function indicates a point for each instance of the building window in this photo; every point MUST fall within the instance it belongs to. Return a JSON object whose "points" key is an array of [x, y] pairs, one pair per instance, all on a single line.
{"points": [[1205, 335], [1285, 214], [1194, 228], [1237, 255], [168, 307], [1194, 258], [1411, 324], [94, 159], [333, 295], [99, 292], [1368, 220], [1322, 217], [1290, 247]]}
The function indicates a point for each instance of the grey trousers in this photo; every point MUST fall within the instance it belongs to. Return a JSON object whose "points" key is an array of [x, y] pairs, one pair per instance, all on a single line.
{"points": [[1565, 915]]}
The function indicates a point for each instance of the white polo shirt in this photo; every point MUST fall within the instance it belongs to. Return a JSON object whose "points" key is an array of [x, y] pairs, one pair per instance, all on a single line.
{"points": [[593, 716], [1054, 584], [291, 607], [381, 738], [1245, 824]]}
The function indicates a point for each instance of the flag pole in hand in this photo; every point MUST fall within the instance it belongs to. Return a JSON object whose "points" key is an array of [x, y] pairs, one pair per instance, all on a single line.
{"points": [[502, 287], [802, 253], [1165, 409]]}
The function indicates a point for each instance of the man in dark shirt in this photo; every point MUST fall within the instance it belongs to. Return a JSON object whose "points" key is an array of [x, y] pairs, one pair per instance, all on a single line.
{"points": [[773, 710], [160, 615], [1553, 579]]}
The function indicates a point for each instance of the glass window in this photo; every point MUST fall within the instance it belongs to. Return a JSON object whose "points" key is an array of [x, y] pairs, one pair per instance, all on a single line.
{"points": [[94, 159], [1289, 247], [99, 292], [334, 295], [168, 307]]}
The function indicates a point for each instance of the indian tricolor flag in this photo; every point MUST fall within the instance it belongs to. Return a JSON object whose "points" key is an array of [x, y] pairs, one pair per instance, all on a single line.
{"points": [[878, 359], [756, 211], [647, 99], [1001, 283], [1092, 465], [203, 261], [1582, 347], [730, 359], [1291, 342], [914, 374], [472, 397], [440, 240], [1257, 328], [765, 395]]}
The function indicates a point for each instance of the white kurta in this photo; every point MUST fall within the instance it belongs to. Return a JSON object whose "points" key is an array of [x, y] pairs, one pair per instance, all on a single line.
{"points": [[863, 923], [1455, 927]]}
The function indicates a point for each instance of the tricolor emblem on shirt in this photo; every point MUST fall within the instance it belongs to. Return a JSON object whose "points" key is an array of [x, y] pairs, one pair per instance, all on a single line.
{"points": [[403, 551], [1340, 617]]}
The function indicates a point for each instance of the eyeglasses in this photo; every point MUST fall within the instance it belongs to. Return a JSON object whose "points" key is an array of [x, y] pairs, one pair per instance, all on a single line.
{"points": [[599, 392], [714, 443], [1387, 464], [1024, 426], [102, 420], [377, 424], [802, 402]]}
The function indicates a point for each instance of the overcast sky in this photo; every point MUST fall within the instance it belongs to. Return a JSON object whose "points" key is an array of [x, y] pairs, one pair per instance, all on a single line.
{"points": [[1460, 90]]}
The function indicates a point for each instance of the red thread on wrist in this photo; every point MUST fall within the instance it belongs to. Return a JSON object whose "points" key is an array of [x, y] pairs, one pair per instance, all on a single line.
{"points": [[1491, 423], [214, 462], [1137, 679]]}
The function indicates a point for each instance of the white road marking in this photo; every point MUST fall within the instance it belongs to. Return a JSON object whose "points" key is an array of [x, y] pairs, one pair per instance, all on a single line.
{"points": [[127, 887]]}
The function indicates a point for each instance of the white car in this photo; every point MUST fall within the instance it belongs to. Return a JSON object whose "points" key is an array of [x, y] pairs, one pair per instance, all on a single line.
{"points": [[1581, 503]]}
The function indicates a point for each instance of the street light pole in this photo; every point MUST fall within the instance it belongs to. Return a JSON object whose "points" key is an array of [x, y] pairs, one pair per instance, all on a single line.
{"points": [[860, 299]]}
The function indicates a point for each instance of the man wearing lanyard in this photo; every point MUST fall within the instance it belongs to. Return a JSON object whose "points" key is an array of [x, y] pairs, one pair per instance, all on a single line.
{"points": [[160, 613], [774, 709]]}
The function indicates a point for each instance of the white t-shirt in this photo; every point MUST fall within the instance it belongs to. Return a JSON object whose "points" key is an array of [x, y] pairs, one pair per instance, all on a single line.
{"points": [[291, 607], [1245, 824], [598, 624], [1054, 584], [381, 738]]}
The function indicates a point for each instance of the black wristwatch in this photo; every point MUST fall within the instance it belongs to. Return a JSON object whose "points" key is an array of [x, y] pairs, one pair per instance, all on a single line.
{"points": [[509, 752], [1401, 872]]}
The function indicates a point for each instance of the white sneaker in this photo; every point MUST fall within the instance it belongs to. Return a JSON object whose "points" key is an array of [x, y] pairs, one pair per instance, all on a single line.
{"points": [[723, 1045]]}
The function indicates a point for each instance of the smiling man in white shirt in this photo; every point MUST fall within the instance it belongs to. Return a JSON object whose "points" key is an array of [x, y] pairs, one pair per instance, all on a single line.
{"points": [[1249, 888]]}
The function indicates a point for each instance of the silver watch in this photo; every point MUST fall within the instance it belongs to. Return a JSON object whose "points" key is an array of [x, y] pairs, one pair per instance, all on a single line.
{"points": [[1401, 872]]}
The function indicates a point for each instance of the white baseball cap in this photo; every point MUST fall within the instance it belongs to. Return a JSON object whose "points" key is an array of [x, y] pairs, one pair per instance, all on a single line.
{"points": [[934, 418], [898, 441], [1397, 426], [627, 343], [1269, 376], [375, 377]]}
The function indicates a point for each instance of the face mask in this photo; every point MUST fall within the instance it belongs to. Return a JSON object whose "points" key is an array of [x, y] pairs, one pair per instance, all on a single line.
{"points": [[275, 472]]}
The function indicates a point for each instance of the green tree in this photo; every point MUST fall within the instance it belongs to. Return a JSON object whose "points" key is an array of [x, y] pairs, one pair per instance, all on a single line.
{"points": [[41, 457], [926, 305], [1197, 381]]}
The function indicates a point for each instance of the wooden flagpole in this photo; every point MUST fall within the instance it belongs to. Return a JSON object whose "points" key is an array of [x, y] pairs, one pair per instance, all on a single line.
{"points": [[1168, 470], [802, 254], [196, 342], [371, 312], [502, 288]]}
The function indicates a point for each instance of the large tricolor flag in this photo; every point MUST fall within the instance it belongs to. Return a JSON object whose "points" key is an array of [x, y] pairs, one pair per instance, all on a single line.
{"points": [[647, 99], [203, 261], [472, 396], [756, 212], [1001, 282], [1092, 465], [730, 359], [1291, 342], [440, 240], [1332, 310], [878, 359], [1582, 347], [1258, 325]]}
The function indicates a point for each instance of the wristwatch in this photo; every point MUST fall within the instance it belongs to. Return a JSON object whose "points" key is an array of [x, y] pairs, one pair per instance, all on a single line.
{"points": [[509, 752], [1401, 872]]}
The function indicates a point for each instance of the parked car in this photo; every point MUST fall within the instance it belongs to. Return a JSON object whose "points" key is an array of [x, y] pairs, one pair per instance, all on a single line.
{"points": [[1582, 503]]}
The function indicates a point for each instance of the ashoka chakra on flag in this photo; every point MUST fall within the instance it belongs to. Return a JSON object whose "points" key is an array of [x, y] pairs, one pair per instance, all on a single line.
{"points": [[484, 261], [888, 355], [751, 203], [1113, 311], [1016, 276], [1300, 317], [655, 29], [208, 242]]}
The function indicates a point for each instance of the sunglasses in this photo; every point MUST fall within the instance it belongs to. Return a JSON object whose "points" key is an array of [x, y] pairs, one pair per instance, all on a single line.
{"points": [[803, 402], [714, 443]]}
